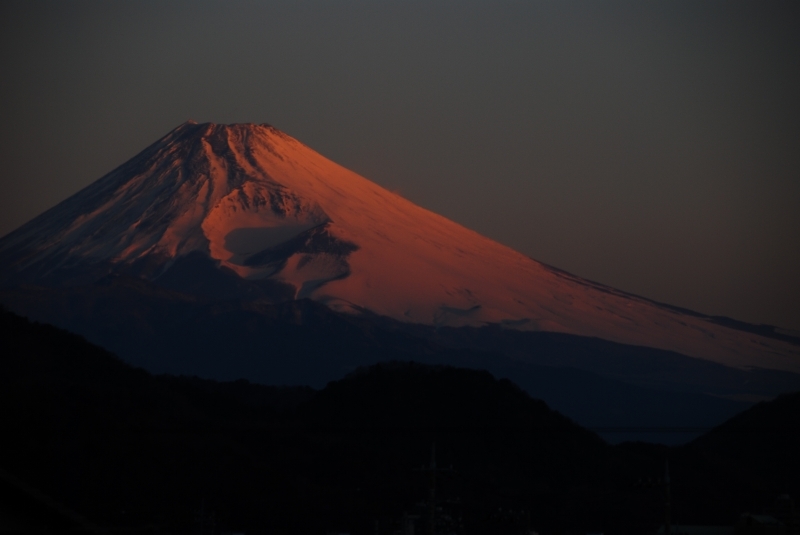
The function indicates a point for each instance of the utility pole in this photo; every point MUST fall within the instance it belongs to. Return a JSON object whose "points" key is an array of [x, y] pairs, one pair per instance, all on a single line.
{"points": [[432, 469], [667, 499], [665, 484], [432, 492]]}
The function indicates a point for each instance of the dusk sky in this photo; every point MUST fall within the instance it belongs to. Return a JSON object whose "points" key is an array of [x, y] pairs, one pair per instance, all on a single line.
{"points": [[650, 146]]}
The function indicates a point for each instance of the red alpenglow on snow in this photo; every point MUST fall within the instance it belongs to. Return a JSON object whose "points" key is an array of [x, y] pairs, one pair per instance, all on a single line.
{"points": [[265, 208]]}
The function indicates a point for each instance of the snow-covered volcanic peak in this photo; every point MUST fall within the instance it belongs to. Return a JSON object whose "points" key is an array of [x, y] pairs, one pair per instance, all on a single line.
{"points": [[264, 208]]}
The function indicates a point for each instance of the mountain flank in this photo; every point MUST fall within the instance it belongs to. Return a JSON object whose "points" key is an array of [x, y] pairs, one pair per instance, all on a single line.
{"points": [[247, 212], [236, 251], [627, 392]]}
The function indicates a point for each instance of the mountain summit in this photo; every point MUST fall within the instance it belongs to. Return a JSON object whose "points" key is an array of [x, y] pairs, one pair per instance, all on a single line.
{"points": [[245, 211]]}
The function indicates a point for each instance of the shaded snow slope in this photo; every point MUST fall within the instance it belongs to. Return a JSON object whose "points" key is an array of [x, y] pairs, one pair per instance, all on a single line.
{"points": [[264, 207]]}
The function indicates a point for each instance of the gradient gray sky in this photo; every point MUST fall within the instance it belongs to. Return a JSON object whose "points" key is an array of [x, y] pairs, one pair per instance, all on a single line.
{"points": [[651, 146]]}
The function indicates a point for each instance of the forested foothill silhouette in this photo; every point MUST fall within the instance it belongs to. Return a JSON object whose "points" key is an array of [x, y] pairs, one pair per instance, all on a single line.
{"points": [[100, 445], [599, 384]]}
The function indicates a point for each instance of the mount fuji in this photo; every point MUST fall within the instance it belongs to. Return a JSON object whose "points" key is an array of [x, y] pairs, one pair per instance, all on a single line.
{"points": [[245, 214]]}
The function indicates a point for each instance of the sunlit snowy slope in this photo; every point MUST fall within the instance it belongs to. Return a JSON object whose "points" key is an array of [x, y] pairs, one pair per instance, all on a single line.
{"points": [[248, 208]]}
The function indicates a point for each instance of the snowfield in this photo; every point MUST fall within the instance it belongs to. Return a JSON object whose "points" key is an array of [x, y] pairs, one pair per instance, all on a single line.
{"points": [[264, 207]]}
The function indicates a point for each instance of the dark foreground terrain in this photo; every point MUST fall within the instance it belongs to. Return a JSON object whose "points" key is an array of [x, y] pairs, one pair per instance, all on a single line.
{"points": [[91, 443]]}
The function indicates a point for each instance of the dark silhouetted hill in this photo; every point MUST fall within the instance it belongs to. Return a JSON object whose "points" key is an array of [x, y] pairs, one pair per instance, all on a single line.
{"points": [[126, 449], [599, 384]]}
